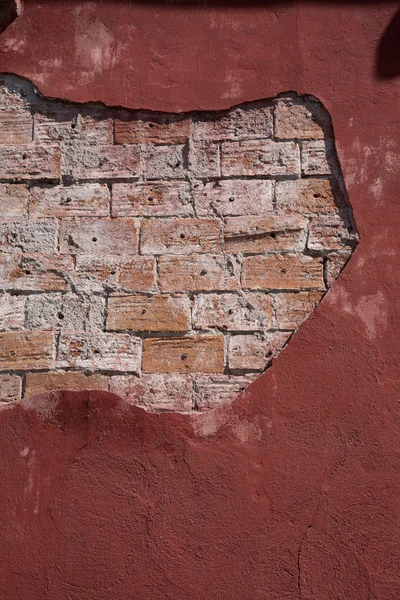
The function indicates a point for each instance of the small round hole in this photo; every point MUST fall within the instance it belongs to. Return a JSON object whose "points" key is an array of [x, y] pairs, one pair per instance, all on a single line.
{"points": [[317, 195], [94, 239], [11, 353], [182, 236], [151, 390], [203, 272], [27, 272], [97, 351], [144, 311], [24, 156], [273, 235], [68, 200], [113, 272], [283, 270], [73, 125], [60, 316], [230, 311], [150, 199], [231, 199], [184, 357]]}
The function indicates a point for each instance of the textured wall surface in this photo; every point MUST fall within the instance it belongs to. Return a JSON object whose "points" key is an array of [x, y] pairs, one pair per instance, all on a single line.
{"points": [[293, 491], [165, 257]]}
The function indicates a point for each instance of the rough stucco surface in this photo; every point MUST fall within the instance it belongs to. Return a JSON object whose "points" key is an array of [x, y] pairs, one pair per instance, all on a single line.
{"points": [[293, 491]]}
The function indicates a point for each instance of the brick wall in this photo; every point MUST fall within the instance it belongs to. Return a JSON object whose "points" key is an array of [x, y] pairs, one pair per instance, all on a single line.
{"points": [[167, 258]]}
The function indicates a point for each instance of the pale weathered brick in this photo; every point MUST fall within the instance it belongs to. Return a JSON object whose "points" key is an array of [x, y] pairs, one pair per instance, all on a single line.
{"points": [[204, 354], [330, 232], [100, 351], [289, 272], [13, 200], [38, 383], [307, 197], [314, 160], [234, 197], [99, 236], [254, 158], [69, 312], [163, 162], [152, 129], [293, 308], [148, 313], [86, 200], [266, 233], [29, 236], [115, 273], [28, 162], [204, 160], [295, 119], [335, 263], [247, 312], [241, 123], [164, 199], [65, 124], [180, 236], [15, 127], [155, 391], [35, 272], [12, 312], [253, 352], [197, 273], [212, 391], [101, 162], [10, 388], [26, 350]]}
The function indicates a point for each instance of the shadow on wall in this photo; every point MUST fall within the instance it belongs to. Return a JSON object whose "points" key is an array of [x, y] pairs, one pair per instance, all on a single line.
{"points": [[388, 53]]}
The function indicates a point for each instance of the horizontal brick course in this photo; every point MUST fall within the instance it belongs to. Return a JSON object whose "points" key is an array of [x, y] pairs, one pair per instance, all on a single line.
{"points": [[197, 273], [291, 308], [299, 120], [155, 391], [143, 313], [87, 200], [262, 234], [29, 236], [254, 351], [13, 200], [254, 158], [234, 197], [28, 162], [26, 350], [314, 160], [38, 383], [213, 391], [180, 236], [307, 196], [102, 162], [164, 162], [115, 273], [99, 236], [15, 127], [276, 272], [230, 312], [164, 199], [204, 354], [35, 272], [148, 129]]}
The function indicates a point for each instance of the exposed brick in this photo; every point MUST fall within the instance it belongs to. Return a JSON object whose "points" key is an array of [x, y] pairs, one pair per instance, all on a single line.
{"points": [[204, 159], [65, 124], [69, 312], [35, 272], [204, 354], [155, 391], [15, 127], [261, 234], [86, 200], [12, 312], [99, 236], [335, 263], [251, 122], [180, 236], [253, 352], [10, 388], [14, 200], [152, 129], [115, 273], [28, 162], [292, 309], [197, 273], [329, 232], [154, 313], [102, 351], [314, 159], [307, 196], [26, 350], [164, 199], [295, 119], [212, 391], [231, 198], [163, 162], [101, 162], [254, 158], [29, 236], [38, 383], [289, 272], [247, 312]]}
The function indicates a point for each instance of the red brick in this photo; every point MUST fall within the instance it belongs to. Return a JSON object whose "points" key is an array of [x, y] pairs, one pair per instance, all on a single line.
{"points": [[115, 273], [35, 272], [314, 160], [266, 233], [307, 196], [15, 127], [100, 351], [234, 197], [293, 309], [99, 236], [86, 200], [254, 158], [212, 391], [10, 388], [204, 159], [102, 162], [295, 118], [197, 273], [144, 313], [164, 199], [204, 354], [231, 312], [180, 236], [254, 352], [38, 383], [14, 200], [155, 391], [276, 272], [150, 128], [336, 261], [163, 162], [330, 232], [65, 124], [250, 122], [26, 350], [28, 162]]}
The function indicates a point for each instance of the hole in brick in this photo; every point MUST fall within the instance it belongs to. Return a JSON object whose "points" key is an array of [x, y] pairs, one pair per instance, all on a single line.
{"points": [[230, 311], [144, 311], [203, 272], [97, 351], [283, 270], [231, 199], [151, 390], [11, 353], [273, 235], [113, 272], [317, 195], [182, 236], [150, 199], [184, 357], [94, 239], [27, 272], [73, 125], [60, 316], [24, 156]]}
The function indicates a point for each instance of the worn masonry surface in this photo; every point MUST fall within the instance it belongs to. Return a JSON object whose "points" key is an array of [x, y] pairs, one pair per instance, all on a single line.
{"points": [[166, 258]]}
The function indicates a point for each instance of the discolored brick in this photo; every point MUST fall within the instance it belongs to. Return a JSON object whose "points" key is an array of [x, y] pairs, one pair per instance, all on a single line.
{"points": [[204, 354]]}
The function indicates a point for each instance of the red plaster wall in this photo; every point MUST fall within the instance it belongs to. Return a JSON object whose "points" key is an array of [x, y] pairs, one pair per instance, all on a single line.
{"points": [[294, 491]]}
